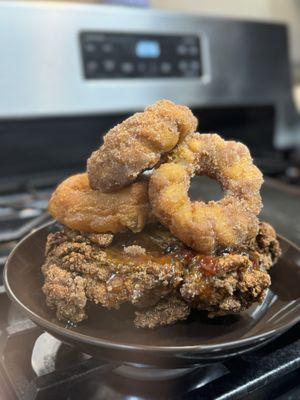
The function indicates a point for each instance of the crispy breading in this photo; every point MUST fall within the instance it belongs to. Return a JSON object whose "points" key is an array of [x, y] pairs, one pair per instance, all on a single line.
{"points": [[81, 267], [232, 282], [166, 312]]}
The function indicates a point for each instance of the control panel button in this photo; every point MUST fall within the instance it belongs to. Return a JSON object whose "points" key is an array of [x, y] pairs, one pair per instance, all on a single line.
{"points": [[195, 65], [107, 48], [109, 55], [92, 66], [127, 67], [182, 50], [193, 50], [183, 65], [165, 67], [109, 65], [141, 67], [153, 67], [90, 47]]}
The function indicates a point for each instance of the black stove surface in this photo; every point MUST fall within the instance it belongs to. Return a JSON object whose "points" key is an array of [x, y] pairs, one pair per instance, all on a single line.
{"points": [[34, 365]]}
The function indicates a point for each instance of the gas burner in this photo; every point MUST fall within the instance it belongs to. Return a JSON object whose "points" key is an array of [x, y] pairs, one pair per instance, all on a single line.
{"points": [[50, 354], [38, 366]]}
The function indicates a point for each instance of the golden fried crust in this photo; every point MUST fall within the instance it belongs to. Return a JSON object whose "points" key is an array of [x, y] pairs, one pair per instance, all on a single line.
{"points": [[207, 228], [224, 285], [138, 144], [77, 206], [183, 117], [65, 292], [166, 312], [79, 267], [98, 268], [265, 247], [232, 282]]}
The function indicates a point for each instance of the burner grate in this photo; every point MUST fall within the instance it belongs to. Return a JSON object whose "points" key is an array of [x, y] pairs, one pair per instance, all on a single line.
{"points": [[20, 213], [17, 344], [256, 375]]}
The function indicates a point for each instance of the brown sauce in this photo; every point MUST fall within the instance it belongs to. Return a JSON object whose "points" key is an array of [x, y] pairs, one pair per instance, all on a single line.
{"points": [[159, 244]]}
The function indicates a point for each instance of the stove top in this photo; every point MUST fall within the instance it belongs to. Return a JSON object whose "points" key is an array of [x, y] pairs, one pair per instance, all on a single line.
{"points": [[20, 213], [35, 365]]}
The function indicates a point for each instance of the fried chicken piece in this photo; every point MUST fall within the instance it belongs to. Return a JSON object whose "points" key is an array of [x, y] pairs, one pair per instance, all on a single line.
{"points": [[65, 292], [147, 268], [230, 283], [142, 284], [111, 276], [226, 284], [100, 239], [166, 312], [265, 247]]}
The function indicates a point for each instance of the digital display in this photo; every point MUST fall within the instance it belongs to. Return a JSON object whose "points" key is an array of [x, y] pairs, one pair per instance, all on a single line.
{"points": [[147, 49]]}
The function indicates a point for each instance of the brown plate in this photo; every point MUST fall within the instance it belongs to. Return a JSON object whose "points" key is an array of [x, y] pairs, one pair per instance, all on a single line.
{"points": [[111, 335]]}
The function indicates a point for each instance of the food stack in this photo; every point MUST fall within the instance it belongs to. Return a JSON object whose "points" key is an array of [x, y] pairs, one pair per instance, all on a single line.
{"points": [[127, 236]]}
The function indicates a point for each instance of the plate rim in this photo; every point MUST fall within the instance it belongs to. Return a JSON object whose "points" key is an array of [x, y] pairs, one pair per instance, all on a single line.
{"points": [[90, 340]]}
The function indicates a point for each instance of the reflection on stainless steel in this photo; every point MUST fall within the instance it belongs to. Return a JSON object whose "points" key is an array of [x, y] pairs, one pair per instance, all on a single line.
{"points": [[237, 57]]}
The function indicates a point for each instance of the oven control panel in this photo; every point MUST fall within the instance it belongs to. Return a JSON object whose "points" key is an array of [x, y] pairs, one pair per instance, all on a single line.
{"points": [[118, 55]]}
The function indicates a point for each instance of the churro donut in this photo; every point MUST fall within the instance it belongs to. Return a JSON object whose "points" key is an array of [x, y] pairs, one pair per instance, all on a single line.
{"points": [[138, 144], [216, 225], [77, 206]]}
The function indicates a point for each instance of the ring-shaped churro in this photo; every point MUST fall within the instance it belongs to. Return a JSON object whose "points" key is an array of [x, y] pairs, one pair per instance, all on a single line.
{"points": [[216, 225]]}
